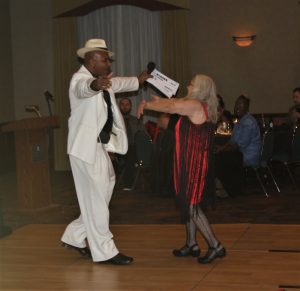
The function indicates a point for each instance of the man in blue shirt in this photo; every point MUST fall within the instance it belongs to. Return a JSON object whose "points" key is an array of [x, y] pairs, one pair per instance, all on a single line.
{"points": [[243, 149], [246, 133]]}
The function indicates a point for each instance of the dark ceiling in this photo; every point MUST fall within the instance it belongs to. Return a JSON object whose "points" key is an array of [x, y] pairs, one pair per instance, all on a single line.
{"points": [[97, 4]]}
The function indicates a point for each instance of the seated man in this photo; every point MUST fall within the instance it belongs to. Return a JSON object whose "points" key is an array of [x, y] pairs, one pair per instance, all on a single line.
{"points": [[133, 125], [243, 149], [294, 112]]}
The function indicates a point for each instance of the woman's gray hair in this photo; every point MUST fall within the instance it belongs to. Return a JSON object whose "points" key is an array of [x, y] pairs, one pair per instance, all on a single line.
{"points": [[204, 90]]}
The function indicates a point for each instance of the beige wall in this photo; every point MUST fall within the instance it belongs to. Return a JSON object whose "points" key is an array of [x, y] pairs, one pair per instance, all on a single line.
{"points": [[269, 69], [62, 6], [32, 56], [6, 84], [266, 71]]}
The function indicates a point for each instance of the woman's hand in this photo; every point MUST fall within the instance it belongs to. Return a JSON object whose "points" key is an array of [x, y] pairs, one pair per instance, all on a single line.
{"points": [[155, 98]]}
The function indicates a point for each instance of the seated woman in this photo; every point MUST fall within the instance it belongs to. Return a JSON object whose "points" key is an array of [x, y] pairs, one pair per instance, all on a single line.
{"points": [[224, 124], [223, 114]]}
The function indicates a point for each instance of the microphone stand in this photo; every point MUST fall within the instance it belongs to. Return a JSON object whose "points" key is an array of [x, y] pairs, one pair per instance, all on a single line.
{"points": [[49, 106], [49, 97]]}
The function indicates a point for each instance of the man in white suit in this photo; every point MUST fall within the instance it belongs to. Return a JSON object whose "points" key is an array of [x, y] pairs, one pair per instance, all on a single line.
{"points": [[96, 127]]}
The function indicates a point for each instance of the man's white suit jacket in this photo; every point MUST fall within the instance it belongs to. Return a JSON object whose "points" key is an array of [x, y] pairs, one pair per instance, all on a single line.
{"points": [[89, 114]]}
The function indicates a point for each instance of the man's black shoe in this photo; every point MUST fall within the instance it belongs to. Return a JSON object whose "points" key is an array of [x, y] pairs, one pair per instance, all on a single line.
{"points": [[85, 252], [118, 259]]}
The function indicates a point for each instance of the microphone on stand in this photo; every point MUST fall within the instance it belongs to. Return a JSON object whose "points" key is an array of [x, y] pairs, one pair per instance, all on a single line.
{"points": [[49, 97]]}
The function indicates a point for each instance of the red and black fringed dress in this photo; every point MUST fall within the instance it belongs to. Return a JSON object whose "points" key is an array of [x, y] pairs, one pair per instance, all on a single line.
{"points": [[194, 165]]}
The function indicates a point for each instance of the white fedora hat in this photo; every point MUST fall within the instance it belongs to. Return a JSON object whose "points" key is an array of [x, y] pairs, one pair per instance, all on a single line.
{"points": [[95, 44]]}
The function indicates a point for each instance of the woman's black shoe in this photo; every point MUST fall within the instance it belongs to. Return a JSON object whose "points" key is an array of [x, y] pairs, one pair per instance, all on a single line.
{"points": [[85, 252], [185, 251], [212, 253]]}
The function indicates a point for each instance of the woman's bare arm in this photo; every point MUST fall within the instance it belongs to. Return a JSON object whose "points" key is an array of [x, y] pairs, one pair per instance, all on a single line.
{"points": [[189, 107]]}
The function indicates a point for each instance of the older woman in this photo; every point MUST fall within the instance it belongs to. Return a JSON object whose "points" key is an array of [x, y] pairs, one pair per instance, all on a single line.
{"points": [[193, 161]]}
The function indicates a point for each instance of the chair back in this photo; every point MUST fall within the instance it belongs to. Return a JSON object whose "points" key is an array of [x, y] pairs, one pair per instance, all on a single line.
{"points": [[267, 146], [295, 150], [144, 148], [282, 142]]}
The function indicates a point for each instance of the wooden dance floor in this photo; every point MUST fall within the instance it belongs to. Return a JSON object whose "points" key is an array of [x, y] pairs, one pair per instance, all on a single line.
{"points": [[259, 257]]}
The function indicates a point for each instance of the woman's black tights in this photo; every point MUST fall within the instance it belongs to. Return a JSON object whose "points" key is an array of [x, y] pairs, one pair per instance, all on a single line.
{"points": [[199, 221]]}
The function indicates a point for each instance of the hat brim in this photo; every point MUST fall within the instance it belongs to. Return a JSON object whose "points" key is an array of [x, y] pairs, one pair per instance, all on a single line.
{"points": [[82, 51]]}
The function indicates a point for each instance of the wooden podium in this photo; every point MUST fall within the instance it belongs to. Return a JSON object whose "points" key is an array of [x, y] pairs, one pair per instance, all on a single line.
{"points": [[32, 158]]}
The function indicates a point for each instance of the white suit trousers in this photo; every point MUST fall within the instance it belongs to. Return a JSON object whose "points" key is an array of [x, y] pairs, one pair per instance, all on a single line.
{"points": [[94, 185]]}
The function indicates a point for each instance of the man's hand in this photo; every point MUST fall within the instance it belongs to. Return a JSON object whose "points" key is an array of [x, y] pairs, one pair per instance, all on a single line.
{"points": [[102, 83], [112, 156], [140, 109], [143, 77]]}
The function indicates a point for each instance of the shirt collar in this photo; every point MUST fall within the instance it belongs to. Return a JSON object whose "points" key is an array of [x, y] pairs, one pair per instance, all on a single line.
{"points": [[245, 116]]}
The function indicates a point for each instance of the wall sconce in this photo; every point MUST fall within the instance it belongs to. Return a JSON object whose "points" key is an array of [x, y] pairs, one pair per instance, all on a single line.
{"points": [[244, 40]]}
